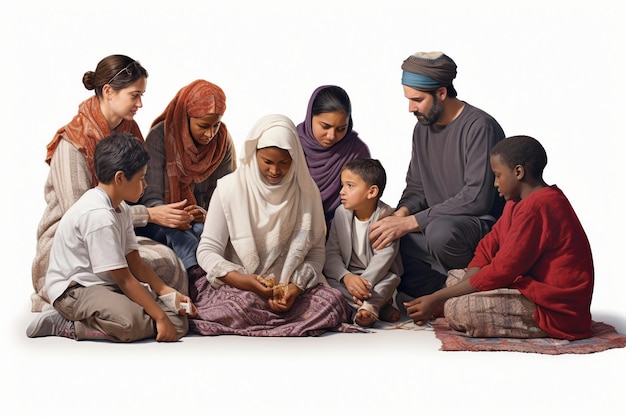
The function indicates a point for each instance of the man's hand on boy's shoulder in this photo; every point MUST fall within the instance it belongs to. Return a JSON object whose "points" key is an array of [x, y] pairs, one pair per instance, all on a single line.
{"points": [[388, 229]]}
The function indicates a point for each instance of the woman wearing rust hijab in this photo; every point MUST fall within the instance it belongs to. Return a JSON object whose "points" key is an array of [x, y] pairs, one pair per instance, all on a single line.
{"points": [[190, 149], [329, 142]]}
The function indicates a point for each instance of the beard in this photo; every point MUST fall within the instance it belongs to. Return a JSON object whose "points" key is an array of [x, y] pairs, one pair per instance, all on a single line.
{"points": [[432, 116]]}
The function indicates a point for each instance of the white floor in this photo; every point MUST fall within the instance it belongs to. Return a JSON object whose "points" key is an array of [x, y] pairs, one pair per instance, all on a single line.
{"points": [[380, 373]]}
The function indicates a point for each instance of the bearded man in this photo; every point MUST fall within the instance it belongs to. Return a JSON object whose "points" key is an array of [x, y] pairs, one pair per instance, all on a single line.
{"points": [[449, 202]]}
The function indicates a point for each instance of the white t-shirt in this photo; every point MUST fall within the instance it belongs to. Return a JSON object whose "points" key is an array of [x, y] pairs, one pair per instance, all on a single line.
{"points": [[360, 240], [92, 239]]}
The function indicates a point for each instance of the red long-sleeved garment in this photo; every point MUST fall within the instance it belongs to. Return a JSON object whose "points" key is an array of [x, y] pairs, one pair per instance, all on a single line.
{"points": [[539, 247]]}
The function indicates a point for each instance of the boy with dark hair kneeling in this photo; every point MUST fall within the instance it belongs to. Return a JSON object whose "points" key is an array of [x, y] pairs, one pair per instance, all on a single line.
{"points": [[534, 270], [97, 282], [366, 277]]}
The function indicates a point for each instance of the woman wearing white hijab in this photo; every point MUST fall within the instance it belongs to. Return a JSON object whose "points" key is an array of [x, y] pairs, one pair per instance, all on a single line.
{"points": [[266, 223]]}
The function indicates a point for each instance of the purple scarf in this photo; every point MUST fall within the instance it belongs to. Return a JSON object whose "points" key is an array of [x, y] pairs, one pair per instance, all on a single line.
{"points": [[325, 163]]}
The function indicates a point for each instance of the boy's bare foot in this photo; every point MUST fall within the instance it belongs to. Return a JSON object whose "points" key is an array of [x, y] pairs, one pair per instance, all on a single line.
{"points": [[364, 318], [389, 313]]}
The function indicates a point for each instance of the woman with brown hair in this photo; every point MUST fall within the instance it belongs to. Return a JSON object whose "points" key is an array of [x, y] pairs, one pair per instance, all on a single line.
{"points": [[119, 83]]}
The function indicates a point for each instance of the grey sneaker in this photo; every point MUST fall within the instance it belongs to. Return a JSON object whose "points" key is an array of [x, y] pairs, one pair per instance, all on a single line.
{"points": [[48, 323]]}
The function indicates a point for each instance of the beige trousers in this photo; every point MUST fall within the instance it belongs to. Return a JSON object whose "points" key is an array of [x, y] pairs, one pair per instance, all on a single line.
{"points": [[503, 312], [105, 312]]}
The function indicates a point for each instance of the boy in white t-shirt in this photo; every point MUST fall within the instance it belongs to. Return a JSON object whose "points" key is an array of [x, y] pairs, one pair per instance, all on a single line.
{"points": [[97, 282], [366, 277]]}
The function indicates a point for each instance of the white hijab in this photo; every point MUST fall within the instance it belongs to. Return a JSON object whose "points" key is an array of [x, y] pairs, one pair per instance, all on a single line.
{"points": [[272, 227]]}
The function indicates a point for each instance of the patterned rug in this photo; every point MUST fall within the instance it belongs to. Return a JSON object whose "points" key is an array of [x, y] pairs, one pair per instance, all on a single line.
{"points": [[604, 337]]}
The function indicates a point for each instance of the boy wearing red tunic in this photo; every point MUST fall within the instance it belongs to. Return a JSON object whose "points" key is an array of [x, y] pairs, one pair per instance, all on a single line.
{"points": [[532, 275]]}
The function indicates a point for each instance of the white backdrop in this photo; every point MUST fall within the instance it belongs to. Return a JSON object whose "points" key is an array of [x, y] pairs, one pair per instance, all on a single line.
{"points": [[553, 70]]}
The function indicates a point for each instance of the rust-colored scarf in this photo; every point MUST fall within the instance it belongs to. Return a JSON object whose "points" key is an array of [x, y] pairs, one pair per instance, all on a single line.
{"points": [[86, 129], [186, 162]]}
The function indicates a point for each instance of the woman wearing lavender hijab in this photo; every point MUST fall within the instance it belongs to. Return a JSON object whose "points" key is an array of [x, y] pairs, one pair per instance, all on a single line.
{"points": [[329, 142]]}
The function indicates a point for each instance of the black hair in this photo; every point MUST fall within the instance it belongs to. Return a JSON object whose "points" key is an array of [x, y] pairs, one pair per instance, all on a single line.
{"points": [[330, 99], [451, 90], [522, 150], [370, 170], [120, 151]]}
